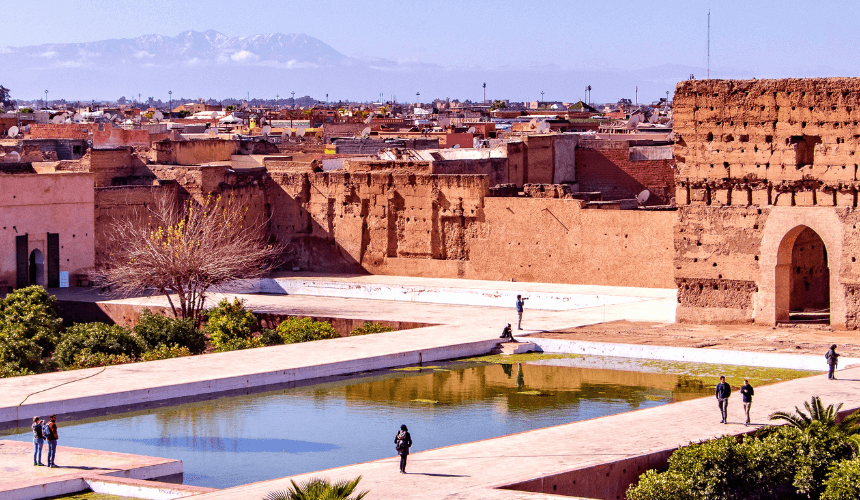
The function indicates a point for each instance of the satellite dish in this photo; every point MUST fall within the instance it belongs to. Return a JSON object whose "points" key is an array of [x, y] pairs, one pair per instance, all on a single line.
{"points": [[158, 115], [369, 119], [212, 132], [58, 119], [15, 156], [77, 117], [643, 197], [533, 123], [214, 115], [471, 130], [301, 132], [455, 146], [13, 131], [365, 132], [285, 136], [266, 130], [543, 127]]}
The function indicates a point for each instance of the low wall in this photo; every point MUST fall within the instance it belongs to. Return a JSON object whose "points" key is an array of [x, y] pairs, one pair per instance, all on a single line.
{"points": [[713, 356], [129, 314], [607, 481]]}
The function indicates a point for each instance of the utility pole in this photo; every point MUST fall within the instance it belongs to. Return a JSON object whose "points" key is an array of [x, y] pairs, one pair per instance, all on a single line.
{"points": [[541, 97], [293, 102], [485, 92], [170, 108], [417, 98], [46, 99]]}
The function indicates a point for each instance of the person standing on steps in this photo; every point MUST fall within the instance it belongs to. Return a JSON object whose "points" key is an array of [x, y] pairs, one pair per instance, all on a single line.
{"points": [[521, 301], [402, 443], [747, 394], [832, 361], [723, 392], [38, 441], [52, 438]]}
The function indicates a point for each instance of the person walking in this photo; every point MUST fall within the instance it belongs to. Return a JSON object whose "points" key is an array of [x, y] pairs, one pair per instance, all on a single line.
{"points": [[38, 441], [402, 443], [521, 301], [747, 394], [832, 361], [723, 392], [52, 438]]}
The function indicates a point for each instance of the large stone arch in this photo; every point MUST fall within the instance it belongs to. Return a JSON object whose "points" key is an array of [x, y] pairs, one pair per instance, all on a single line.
{"points": [[783, 226]]}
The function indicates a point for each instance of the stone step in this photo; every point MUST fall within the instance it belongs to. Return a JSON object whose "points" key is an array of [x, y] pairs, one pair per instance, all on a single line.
{"points": [[508, 348]]}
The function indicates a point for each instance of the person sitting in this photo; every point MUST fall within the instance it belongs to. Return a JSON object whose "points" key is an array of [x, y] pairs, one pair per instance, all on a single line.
{"points": [[507, 333]]}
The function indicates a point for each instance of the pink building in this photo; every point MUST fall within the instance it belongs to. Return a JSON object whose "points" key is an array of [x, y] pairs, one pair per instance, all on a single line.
{"points": [[46, 227]]}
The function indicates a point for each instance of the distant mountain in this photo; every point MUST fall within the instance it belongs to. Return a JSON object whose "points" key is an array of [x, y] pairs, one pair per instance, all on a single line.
{"points": [[188, 48], [212, 65]]}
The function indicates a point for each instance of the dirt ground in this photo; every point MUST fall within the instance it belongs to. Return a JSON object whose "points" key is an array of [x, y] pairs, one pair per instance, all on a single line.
{"points": [[800, 339]]}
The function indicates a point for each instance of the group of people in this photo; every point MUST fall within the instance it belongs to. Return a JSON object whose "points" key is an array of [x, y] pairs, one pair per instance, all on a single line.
{"points": [[45, 432], [724, 392]]}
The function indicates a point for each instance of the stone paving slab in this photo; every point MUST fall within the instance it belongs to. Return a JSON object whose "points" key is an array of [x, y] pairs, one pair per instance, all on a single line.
{"points": [[20, 479], [473, 470]]}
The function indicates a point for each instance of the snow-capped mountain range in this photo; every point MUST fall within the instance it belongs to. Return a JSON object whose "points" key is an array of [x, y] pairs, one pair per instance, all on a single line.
{"points": [[210, 64]]}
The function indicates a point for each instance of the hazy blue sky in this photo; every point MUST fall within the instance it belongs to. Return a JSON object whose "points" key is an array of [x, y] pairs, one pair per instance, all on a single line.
{"points": [[754, 38]]}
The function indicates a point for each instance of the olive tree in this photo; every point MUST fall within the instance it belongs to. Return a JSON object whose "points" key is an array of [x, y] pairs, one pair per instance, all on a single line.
{"points": [[183, 249]]}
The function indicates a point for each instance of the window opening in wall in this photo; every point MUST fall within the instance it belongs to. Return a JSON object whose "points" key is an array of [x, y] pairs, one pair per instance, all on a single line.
{"points": [[804, 148], [710, 136]]}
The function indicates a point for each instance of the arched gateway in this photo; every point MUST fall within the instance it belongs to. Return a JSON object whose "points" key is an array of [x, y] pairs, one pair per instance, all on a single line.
{"points": [[802, 281]]}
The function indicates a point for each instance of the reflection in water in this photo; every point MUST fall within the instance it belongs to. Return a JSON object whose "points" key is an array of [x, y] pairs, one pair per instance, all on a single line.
{"points": [[237, 440], [236, 445]]}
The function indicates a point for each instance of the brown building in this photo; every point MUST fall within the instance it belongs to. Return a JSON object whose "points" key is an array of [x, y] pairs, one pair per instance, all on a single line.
{"points": [[767, 191]]}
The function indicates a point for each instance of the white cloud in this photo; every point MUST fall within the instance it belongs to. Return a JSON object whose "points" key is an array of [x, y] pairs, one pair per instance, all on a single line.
{"points": [[5, 50], [244, 56], [142, 54], [48, 54]]}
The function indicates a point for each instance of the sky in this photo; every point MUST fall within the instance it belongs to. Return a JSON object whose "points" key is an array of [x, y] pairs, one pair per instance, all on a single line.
{"points": [[760, 38]]}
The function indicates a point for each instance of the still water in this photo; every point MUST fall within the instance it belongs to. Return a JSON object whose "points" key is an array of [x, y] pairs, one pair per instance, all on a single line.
{"points": [[237, 440]]}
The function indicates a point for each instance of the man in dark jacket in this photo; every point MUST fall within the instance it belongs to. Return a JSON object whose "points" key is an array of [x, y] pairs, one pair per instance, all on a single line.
{"points": [[402, 443], [832, 361], [723, 392], [747, 393], [52, 441]]}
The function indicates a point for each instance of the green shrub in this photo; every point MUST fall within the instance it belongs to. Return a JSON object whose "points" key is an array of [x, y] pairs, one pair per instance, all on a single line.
{"points": [[295, 330], [843, 481], [32, 313], [164, 351], [369, 328], [779, 463], [230, 326], [13, 370], [19, 355], [156, 330], [239, 344], [96, 338], [270, 336], [90, 359]]}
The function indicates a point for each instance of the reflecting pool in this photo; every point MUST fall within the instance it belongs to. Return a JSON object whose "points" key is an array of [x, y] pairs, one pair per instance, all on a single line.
{"points": [[236, 440]]}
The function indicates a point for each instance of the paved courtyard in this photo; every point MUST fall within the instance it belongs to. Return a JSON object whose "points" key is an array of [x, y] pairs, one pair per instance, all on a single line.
{"points": [[465, 471]]}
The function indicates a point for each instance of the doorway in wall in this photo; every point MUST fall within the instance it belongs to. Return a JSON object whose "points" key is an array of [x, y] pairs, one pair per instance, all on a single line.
{"points": [[37, 268], [803, 278]]}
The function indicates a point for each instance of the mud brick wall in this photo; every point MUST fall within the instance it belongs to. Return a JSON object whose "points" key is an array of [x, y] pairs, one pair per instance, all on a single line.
{"points": [[605, 166], [758, 162]]}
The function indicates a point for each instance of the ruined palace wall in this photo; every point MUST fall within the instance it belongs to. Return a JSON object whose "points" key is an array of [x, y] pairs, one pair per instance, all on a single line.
{"points": [[756, 159], [446, 226], [557, 241]]}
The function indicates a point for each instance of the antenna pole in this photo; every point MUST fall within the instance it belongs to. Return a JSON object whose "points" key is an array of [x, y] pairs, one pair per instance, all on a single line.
{"points": [[709, 44]]}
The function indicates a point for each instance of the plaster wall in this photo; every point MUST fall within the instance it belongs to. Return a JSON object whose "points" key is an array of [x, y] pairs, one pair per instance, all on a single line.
{"points": [[37, 204]]}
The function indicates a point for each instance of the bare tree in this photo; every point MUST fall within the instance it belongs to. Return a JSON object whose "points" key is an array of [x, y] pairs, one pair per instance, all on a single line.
{"points": [[182, 250]]}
